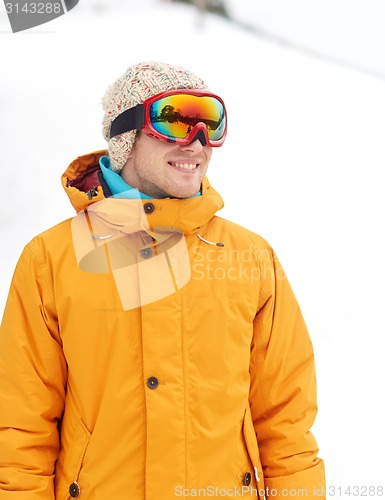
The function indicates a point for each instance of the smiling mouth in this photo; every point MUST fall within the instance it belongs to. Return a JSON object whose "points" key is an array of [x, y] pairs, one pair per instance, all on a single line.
{"points": [[184, 166]]}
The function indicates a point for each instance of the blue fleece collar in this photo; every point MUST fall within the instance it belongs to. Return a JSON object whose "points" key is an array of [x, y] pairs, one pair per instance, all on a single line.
{"points": [[118, 187]]}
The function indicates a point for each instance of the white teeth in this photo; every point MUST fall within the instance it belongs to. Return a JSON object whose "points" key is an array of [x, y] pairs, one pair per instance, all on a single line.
{"points": [[186, 166]]}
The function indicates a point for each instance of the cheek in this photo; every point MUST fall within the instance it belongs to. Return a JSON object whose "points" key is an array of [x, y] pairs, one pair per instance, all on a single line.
{"points": [[209, 153]]}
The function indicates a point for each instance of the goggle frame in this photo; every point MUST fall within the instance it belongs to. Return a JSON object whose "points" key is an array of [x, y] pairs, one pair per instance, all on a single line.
{"points": [[138, 118]]}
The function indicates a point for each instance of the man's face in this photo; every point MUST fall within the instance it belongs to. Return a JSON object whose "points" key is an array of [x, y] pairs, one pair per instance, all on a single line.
{"points": [[160, 169]]}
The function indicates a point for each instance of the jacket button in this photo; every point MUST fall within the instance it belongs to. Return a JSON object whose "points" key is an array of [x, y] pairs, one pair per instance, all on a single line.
{"points": [[148, 208], [146, 253], [247, 479], [152, 383], [74, 489]]}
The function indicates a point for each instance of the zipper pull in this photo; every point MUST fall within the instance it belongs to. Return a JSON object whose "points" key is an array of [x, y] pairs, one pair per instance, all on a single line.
{"points": [[92, 192]]}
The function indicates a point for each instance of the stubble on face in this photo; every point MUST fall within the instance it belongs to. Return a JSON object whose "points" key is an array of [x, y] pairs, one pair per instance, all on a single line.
{"points": [[163, 170]]}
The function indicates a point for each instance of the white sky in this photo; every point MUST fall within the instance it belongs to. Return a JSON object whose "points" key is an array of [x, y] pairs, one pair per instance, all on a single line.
{"points": [[302, 166]]}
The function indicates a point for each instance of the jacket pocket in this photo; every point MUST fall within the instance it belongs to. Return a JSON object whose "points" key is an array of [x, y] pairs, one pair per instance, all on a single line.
{"points": [[253, 452], [70, 482]]}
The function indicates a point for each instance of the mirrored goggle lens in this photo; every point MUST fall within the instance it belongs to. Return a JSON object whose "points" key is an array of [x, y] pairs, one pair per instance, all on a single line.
{"points": [[176, 115]]}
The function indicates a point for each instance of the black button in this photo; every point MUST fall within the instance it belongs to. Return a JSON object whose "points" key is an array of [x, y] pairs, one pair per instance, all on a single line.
{"points": [[148, 208], [247, 479], [152, 383], [146, 253], [74, 489]]}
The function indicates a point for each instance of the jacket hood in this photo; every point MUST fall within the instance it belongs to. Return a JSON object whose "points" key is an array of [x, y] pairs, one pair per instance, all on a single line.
{"points": [[83, 183]]}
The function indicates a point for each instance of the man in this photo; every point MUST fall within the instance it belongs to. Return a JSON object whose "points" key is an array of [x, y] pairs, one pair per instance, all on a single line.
{"points": [[150, 349]]}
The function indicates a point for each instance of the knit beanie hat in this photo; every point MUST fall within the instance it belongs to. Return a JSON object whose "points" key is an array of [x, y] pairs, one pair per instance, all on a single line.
{"points": [[138, 83]]}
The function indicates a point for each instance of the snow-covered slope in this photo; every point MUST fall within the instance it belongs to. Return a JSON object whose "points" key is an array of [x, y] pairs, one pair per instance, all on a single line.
{"points": [[351, 31]]}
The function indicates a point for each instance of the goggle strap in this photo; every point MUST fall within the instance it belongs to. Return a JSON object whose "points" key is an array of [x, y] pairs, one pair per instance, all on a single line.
{"points": [[131, 119]]}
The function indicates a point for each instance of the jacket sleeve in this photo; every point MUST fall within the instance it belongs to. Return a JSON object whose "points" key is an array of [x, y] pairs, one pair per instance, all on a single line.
{"points": [[283, 390], [32, 381]]}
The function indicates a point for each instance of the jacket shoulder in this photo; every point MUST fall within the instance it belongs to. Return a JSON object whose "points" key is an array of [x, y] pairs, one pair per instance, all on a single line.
{"points": [[240, 235], [56, 237]]}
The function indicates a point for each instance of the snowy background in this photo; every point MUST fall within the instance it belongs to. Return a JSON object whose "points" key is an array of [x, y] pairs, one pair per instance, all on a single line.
{"points": [[302, 165]]}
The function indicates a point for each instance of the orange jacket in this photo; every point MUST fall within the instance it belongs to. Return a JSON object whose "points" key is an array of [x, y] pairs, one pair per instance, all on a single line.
{"points": [[140, 361]]}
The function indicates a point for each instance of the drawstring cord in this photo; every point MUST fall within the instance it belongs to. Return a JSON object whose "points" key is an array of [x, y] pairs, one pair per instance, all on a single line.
{"points": [[91, 229], [97, 237], [216, 243]]}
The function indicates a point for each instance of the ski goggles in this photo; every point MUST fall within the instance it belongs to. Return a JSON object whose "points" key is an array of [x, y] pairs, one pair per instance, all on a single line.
{"points": [[177, 116]]}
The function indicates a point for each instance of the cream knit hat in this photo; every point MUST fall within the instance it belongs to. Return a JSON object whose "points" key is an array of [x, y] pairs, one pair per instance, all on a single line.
{"points": [[139, 82]]}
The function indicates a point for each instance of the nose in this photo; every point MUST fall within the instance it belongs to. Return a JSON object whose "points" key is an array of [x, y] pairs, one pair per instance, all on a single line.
{"points": [[194, 147]]}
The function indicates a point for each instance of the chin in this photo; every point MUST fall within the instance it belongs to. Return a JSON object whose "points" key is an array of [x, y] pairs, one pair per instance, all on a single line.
{"points": [[183, 189]]}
